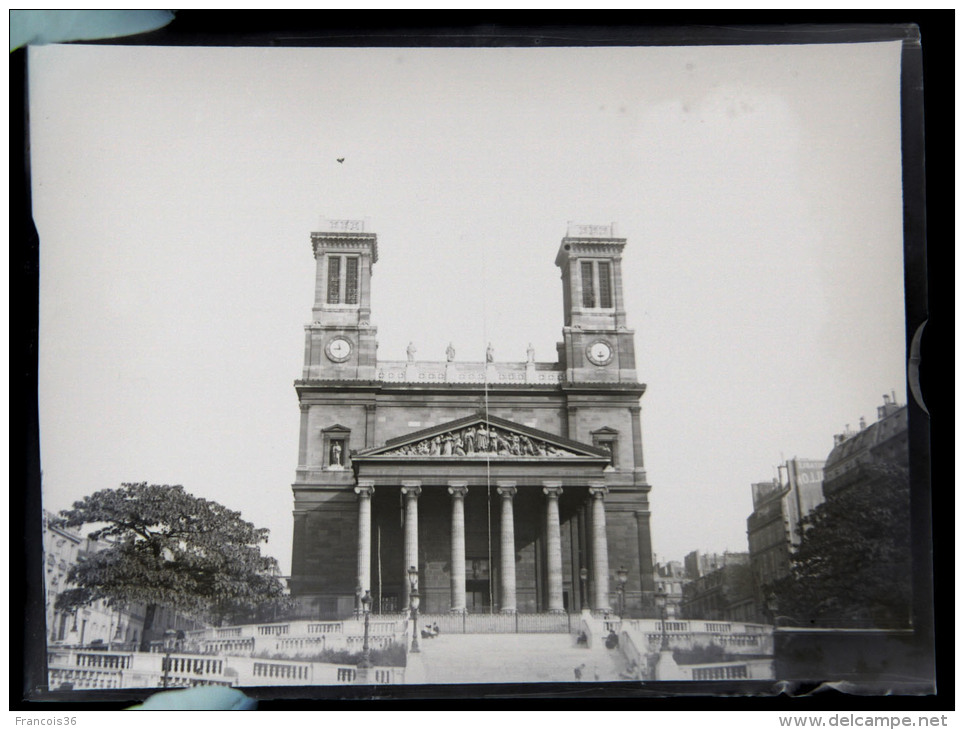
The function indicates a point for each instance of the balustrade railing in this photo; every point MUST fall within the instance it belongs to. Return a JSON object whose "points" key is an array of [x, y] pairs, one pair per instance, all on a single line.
{"points": [[345, 674], [382, 627], [612, 625], [61, 677], [103, 661], [274, 629], [306, 643], [729, 671], [384, 676], [375, 642], [278, 670], [328, 627], [498, 623], [717, 628], [419, 371], [227, 646], [742, 639], [192, 665]]}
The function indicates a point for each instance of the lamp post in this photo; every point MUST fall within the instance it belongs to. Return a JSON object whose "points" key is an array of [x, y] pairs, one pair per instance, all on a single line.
{"points": [[117, 635], [661, 599], [414, 598], [583, 578], [622, 575], [169, 638], [364, 665]]}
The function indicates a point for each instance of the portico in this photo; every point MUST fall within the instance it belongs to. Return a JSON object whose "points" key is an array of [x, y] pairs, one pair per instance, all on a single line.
{"points": [[519, 501]]}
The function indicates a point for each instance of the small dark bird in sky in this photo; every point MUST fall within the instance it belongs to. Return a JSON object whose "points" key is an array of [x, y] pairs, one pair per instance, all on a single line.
{"points": [[341, 159]]}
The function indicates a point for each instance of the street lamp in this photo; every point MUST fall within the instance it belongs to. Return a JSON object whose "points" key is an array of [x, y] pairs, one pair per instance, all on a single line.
{"points": [[169, 638], [118, 635], [622, 575], [583, 578], [414, 598], [365, 664], [661, 599]]}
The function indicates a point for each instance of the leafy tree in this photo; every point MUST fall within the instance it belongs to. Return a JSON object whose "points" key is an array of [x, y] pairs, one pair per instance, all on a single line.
{"points": [[853, 565], [165, 547]]}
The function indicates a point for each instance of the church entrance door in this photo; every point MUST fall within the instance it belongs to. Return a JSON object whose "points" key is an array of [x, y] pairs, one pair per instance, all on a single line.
{"points": [[477, 596]]}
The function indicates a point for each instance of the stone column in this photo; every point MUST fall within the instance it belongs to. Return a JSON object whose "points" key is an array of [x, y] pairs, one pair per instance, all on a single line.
{"points": [[600, 549], [647, 583], [364, 490], [458, 491], [553, 490], [410, 491], [507, 491]]}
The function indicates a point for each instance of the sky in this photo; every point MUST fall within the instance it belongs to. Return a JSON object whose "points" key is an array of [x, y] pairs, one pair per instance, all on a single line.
{"points": [[175, 190]]}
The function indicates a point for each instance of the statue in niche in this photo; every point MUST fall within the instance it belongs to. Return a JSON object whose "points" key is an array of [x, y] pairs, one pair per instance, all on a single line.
{"points": [[335, 456], [489, 353], [530, 353], [410, 351], [449, 353], [482, 443]]}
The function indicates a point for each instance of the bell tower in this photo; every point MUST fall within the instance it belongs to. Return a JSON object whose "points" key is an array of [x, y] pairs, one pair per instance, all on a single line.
{"points": [[340, 341], [597, 345]]}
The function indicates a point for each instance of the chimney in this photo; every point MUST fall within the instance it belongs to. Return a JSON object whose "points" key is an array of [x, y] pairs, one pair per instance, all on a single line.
{"points": [[890, 406], [863, 423]]}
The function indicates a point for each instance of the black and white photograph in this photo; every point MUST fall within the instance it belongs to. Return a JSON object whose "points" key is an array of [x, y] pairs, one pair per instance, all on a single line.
{"points": [[383, 367]]}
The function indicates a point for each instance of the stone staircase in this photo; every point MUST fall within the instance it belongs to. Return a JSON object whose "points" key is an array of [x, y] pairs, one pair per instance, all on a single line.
{"points": [[511, 658]]}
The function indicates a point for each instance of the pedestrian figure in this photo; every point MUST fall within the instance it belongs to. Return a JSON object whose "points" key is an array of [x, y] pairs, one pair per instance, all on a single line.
{"points": [[578, 672]]}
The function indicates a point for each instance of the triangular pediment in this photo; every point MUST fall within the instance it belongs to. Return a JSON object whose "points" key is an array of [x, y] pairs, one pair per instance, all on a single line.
{"points": [[483, 437], [337, 428]]}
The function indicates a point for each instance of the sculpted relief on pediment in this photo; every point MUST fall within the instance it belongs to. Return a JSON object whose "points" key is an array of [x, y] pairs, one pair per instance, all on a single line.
{"points": [[480, 440]]}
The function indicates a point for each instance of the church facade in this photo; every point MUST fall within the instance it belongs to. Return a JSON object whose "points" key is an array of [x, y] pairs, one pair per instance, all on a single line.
{"points": [[508, 486]]}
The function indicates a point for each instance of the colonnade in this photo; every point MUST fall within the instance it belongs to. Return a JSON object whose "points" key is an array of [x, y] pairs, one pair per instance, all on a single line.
{"points": [[507, 490]]}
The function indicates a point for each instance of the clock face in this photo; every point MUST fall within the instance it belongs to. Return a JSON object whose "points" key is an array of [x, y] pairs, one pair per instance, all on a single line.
{"points": [[600, 352], [338, 349]]}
